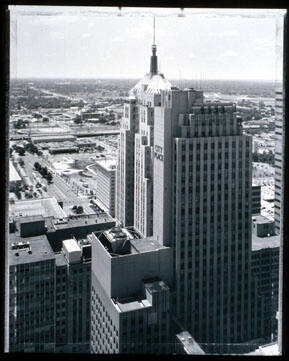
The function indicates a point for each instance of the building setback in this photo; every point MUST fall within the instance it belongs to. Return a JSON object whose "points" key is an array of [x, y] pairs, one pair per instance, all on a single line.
{"points": [[130, 298]]}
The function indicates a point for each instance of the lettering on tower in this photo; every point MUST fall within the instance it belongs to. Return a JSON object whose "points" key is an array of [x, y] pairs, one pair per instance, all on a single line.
{"points": [[158, 154]]}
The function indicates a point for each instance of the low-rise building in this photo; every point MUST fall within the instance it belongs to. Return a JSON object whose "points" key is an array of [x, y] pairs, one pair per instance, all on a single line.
{"points": [[52, 138], [14, 178]]}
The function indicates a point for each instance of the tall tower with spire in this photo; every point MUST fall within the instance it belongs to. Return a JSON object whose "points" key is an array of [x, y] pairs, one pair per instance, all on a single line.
{"points": [[134, 198], [190, 171]]}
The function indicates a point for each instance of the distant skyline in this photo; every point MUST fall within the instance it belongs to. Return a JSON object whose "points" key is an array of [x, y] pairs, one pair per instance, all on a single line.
{"points": [[77, 43]]}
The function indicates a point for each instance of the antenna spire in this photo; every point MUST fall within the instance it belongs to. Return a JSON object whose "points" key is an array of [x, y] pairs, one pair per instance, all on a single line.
{"points": [[154, 39], [154, 58]]}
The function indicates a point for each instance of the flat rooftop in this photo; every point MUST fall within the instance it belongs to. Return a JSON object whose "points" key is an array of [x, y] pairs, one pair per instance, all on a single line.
{"points": [[265, 242], [107, 164], [30, 219], [123, 237], [129, 304], [145, 245], [191, 347], [60, 259], [13, 174], [71, 245], [38, 245], [259, 219], [53, 138], [266, 350], [46, 207], [78, 221], [156, 286]]}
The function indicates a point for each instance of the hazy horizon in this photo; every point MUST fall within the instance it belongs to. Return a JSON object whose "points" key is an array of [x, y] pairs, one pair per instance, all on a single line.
{"points": [[136, 79], [49, 42]]}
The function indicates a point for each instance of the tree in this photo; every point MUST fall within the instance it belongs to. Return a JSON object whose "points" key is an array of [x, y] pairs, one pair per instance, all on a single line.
{"points": [[79, 210], [21, 151], [21, 162], [44, 172], [49, 177], [36, 166]]}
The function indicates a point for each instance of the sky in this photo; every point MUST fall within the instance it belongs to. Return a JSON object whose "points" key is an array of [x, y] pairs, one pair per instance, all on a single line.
{"points": [[58, 42]]}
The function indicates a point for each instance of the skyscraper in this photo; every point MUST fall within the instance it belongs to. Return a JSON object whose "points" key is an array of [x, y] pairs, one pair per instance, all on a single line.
{"points": [[193, 166], [125, 165], [145, 96], [202, 204]]}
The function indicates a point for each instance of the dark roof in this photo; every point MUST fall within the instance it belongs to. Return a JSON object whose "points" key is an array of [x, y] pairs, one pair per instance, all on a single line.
{"points": [[39, 250]]}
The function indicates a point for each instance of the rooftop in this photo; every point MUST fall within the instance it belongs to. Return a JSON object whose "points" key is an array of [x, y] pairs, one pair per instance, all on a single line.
{"points": [[145, 245], [124, 241], [191, 347], [46, 207], [259, 219], [53, 137], [71, 245], [13, 174], [107, 164], [30, 219], [38, 250], [60, 259], [259, 243], [131, 304], [266, 350], [156, 286], [78, 221]]}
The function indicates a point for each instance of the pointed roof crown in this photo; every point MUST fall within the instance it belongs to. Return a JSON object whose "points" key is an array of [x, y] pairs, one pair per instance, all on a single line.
{"points": [[153, 82]]}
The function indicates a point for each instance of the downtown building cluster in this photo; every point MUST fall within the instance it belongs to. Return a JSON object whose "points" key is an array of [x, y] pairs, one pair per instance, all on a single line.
{"points": [[177, 270], [184, 179]]}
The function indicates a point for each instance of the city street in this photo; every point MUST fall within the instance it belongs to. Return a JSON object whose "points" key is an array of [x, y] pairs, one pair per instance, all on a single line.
{"points": [[58, 189]]}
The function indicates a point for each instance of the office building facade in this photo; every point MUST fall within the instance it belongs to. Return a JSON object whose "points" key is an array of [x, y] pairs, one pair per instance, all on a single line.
{"points": [[202, 209], [125, 165], [49, 296], [31, 296], [265, 267], [278, 157], [105, 192], [50, 281], [256, 199], [147, 94]]}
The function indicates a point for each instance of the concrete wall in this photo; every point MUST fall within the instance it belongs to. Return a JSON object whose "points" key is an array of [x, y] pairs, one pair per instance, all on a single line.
{"points": [[129, 271], [122, 276]]}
